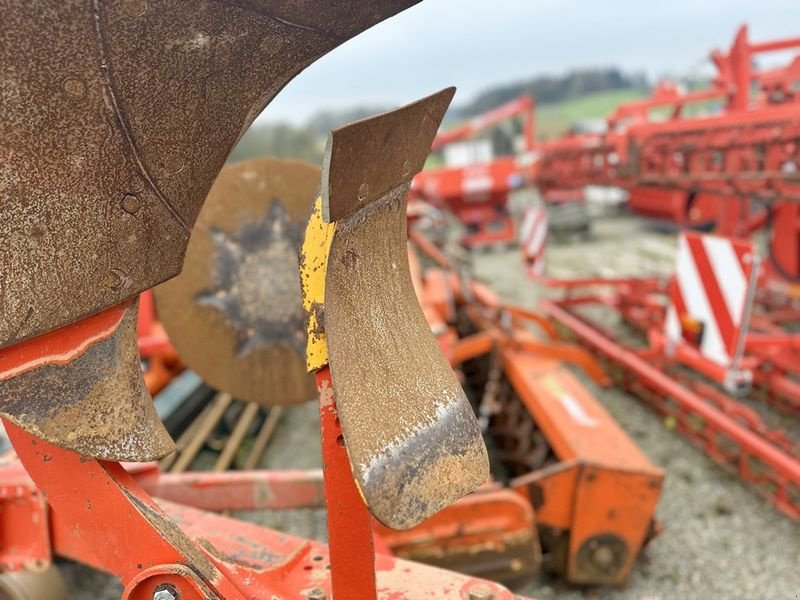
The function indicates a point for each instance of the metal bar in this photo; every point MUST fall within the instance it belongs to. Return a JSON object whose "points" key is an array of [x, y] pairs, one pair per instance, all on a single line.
{"points": [[238, 490], [183, 441], [263, 438], [237, 435], [350, 536], [218, 408], [786, 468]]}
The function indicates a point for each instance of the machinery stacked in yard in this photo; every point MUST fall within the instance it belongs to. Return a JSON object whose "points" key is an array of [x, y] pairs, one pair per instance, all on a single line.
{"points": [[690, 203], [594, 493], [709, 347], [474, 184], [120, 116], [576, 469]]}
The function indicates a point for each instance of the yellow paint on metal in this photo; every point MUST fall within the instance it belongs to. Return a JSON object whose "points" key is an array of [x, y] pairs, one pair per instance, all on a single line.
{"points": [[313, 266]]}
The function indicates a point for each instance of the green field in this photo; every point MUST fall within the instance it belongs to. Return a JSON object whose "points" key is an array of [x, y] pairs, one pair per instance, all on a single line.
{"points": [[554, 119]]}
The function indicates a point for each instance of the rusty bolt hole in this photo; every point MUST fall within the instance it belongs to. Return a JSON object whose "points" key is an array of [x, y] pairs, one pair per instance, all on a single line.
{"points": [[340, 440], [131, 204]]}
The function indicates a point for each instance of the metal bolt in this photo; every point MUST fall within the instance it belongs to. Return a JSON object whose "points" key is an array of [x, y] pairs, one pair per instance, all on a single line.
{"points": [[603, 557], [480, 592], [113, 280], [316, 594], [166, 592]]}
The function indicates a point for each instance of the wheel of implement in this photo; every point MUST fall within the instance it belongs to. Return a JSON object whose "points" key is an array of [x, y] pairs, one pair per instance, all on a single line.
{"points": [[26, 585], [235, 313]]}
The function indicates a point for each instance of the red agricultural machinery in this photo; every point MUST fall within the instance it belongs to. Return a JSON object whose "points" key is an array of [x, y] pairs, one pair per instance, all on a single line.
{"points": [[551, 441], [474, 184], [122, 115], [563, 468], [719, 340]]}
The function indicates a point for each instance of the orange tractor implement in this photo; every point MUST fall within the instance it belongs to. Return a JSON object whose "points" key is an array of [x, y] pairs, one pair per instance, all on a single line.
{"points": [[593, 492], [474, 184], [152, 96]]}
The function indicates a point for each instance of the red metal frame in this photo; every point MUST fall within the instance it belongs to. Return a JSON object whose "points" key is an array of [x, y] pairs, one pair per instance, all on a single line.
{"points": [[103, 516], [715, 166], [582, 438], [162, 363], [736, 438], [477, 194]]}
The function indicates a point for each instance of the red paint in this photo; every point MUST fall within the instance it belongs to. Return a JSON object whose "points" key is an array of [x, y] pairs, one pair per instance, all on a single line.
{"points": [[62, 346], [350, 537]]}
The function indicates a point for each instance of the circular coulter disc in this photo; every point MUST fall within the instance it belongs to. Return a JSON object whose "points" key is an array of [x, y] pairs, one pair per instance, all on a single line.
{"points": [[235, 313]]}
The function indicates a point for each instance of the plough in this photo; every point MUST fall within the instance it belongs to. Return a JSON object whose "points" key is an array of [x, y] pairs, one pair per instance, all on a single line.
{"points": [[494, 532], [119, 118], [721, 334]]}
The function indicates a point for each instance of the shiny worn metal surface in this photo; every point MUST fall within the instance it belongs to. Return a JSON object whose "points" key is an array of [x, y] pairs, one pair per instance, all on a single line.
{"points": [[96, 405], [115, 117], [373, 155], [235, 312], [412, 438]]}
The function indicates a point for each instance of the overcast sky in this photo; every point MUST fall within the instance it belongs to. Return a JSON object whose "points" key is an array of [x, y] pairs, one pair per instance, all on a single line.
{"points": [[475, 43]]}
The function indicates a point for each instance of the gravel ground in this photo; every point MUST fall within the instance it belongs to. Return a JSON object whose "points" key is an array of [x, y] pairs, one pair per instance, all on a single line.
{"points": [[720, 540]]}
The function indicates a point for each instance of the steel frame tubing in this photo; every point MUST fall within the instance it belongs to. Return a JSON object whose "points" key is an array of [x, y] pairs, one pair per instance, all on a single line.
{"points": [[783, 478]]}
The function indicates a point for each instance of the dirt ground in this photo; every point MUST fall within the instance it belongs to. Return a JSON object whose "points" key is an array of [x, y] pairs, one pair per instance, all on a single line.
{"points": [[720, 539]]}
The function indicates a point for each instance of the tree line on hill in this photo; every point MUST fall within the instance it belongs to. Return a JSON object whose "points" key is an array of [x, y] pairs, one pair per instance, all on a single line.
{"points": [[307, 142]]}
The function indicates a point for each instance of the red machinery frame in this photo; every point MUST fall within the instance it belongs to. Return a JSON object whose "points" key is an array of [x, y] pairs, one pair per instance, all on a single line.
{"points": [[748, 151], [117, 527], [585, 473], [478, 193], [162, 363]]}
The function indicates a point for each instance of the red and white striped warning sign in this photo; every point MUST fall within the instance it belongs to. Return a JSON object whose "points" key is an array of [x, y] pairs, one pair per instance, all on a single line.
{"points": [[710, 296], [533, 239]]}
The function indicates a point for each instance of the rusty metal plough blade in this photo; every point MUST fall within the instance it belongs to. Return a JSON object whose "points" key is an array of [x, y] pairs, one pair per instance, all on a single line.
{"points": [[115, 118], [412, 438]]}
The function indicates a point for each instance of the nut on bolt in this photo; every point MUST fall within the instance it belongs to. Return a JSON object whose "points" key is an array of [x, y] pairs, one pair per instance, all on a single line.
{"points": [[166, 592], [480, 592], [316, 594]]}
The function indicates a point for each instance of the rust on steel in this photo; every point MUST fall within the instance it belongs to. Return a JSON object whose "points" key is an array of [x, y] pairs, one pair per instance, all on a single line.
{"points": [[235, 312], [411, 435], [96, 404], [115, 118]]}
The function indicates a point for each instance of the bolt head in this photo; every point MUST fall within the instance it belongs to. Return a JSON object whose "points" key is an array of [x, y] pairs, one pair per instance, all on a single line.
{"points": [[166, 592], [316, 594], [480, 592]]}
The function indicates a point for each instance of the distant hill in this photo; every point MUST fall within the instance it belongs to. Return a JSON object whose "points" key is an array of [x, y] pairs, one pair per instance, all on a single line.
{"points": [[283, 141], [554, 119], [323, 122], [550, 89], [561, 100]]}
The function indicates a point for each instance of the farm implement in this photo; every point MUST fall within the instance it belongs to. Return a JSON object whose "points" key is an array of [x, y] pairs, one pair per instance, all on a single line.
{"points": [[550, 440], [717, 343], [474, 184], [121, 117], [554, 493]]}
